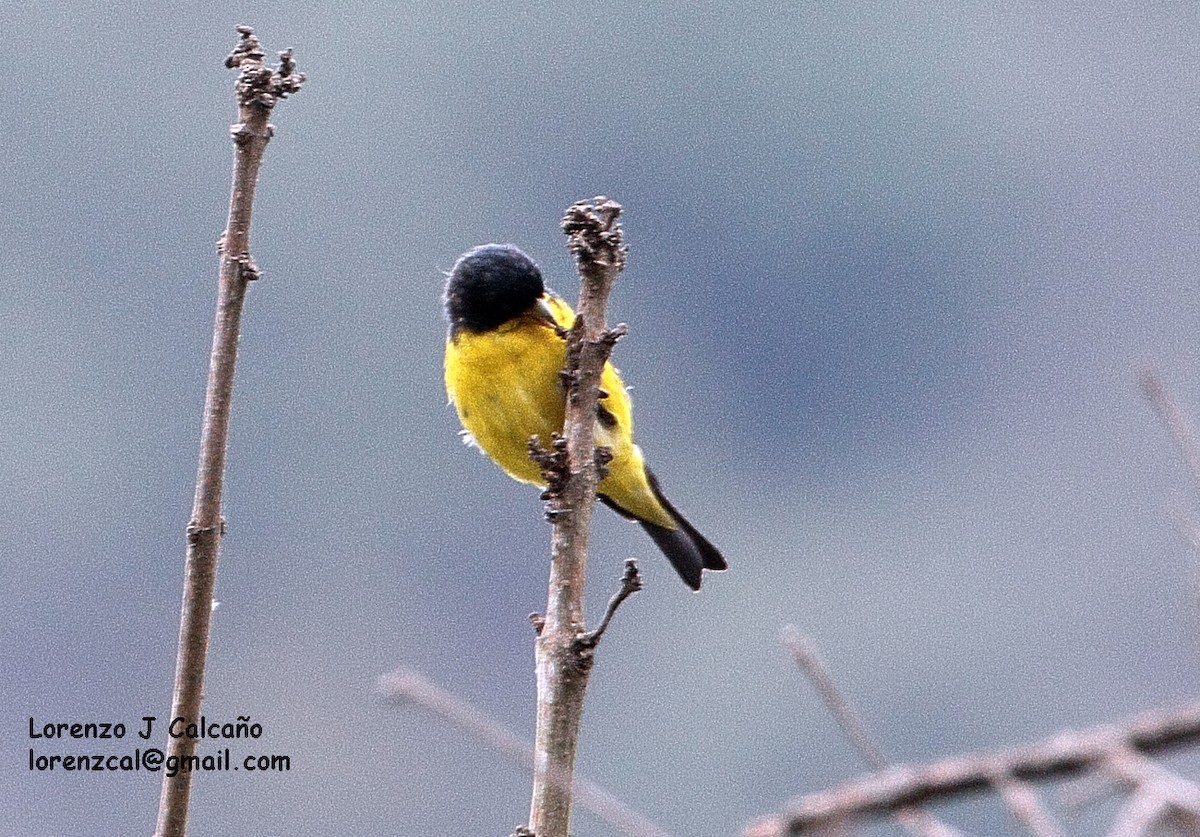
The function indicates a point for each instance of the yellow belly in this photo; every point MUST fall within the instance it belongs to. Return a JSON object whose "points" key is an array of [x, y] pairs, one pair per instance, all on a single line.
{"points": [[506, 387]]}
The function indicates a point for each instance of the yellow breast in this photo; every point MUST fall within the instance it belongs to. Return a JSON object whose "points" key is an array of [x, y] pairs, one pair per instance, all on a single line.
{"points": [[507, 388], [505, 385]]}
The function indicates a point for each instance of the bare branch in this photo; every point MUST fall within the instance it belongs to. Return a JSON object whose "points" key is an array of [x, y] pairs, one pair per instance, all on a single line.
{"points": [[258, 87], [406, 684], [563, 663], [1062, 755]]}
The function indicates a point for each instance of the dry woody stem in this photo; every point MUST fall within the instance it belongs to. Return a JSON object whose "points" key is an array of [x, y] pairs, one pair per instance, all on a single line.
{"points": [[563, 658], [258, 88]]}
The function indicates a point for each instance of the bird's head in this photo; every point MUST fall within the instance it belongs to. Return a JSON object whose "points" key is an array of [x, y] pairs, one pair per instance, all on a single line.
{"points": [[490, 285]]}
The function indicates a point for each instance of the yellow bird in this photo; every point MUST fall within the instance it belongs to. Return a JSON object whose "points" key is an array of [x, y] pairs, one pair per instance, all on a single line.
{"points": [[504, 353]]}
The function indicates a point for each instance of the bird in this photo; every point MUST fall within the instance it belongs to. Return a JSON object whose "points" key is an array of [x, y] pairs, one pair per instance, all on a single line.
{"points": [[505, 352]]}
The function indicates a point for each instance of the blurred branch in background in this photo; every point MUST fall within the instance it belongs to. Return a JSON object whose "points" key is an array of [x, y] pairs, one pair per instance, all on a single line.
{"points": [[1178, 423], [1156, 800], [258, 89], [406, 685], [1119, 750], [804, 654], [1183, 433]]}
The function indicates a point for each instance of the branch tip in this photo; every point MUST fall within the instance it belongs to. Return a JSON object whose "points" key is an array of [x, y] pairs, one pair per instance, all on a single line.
{"points": [[631, 582], [1177, 421], [287, 64], [258, 84], [594, 234], [248, 48]]}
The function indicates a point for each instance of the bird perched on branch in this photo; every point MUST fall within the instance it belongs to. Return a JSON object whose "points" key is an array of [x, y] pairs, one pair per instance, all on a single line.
{"points": [[504, 355]]}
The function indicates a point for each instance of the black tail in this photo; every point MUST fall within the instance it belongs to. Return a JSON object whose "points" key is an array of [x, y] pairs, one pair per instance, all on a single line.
{"points": [[688, 551]]}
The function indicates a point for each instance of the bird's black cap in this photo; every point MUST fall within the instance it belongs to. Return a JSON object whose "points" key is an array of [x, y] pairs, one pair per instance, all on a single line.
{"points": [[490, 285]]}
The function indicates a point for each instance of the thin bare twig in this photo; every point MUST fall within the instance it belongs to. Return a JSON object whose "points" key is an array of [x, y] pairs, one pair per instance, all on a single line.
{"points": [[595, 238], [631, 582], [406, 684], [1061, 756], [258, 88]]}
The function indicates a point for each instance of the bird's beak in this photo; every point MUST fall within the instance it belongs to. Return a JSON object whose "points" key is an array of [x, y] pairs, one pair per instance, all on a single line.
{"points": [[542, 311]]}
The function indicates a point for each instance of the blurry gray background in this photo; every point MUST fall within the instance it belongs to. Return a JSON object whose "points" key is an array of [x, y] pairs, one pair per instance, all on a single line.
{"points": [[894, 271]]}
